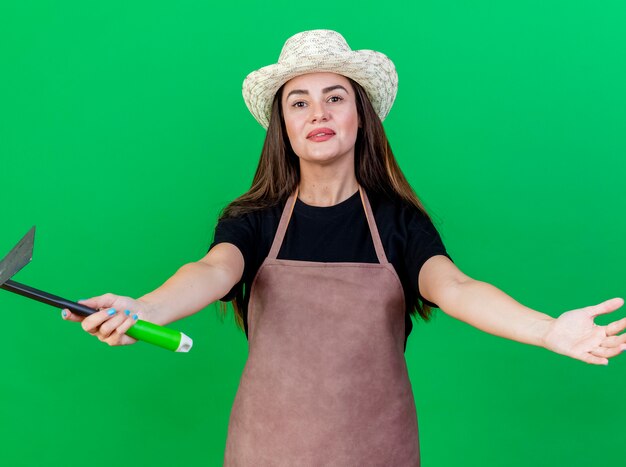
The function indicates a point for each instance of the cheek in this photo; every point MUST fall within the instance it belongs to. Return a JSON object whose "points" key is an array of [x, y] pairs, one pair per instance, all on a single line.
{"points": [[291, 134], [355, 123], [291, 124], [352, 124], [351, 117]]}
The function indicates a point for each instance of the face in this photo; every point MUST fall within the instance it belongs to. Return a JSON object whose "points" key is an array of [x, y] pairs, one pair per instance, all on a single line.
{"points": [[320, 117]]}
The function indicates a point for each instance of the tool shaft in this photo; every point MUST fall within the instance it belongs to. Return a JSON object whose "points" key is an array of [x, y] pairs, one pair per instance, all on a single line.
{"points": [[142, 330], [47, 298]]}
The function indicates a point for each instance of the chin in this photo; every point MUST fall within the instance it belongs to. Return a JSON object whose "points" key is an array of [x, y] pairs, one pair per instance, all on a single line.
{"points": [[322, 159], [324, 155]]}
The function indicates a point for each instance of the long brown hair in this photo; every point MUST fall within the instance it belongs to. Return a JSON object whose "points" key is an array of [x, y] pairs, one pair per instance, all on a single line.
{"points": [[278, 173]]}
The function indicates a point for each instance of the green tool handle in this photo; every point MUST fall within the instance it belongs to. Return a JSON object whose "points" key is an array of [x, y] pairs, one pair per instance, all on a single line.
{"points": [[141, 330], [154, 334]]}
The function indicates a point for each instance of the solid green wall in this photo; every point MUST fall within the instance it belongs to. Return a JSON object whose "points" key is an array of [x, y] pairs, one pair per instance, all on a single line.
{"points": [[123, 133]]}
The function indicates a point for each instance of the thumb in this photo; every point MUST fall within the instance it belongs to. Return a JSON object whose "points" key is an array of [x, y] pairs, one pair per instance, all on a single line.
{"points": [[605, 307], [101, 301]]}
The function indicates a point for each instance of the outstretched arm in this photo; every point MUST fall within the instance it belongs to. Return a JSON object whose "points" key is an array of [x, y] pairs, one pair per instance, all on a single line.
{"points": [[194, 286], [485, 307]]}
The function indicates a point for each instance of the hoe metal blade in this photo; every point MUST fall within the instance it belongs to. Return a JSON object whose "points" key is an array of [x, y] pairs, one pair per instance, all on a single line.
{"points": [[18, 257]]}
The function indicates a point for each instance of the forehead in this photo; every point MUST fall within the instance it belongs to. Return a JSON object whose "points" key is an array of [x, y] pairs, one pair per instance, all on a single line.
{"points": [[316, 80]]}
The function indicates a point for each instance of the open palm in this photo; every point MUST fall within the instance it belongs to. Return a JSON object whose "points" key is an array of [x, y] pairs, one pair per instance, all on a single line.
{"points": [[575, 334]]}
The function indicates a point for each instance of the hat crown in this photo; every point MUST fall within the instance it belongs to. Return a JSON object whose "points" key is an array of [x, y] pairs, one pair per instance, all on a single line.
{"points": [[321, 51], [315, 43]]}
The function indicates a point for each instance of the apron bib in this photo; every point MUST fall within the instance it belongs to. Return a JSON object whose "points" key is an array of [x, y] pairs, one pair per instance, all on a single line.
{"points": [[325, 382]]}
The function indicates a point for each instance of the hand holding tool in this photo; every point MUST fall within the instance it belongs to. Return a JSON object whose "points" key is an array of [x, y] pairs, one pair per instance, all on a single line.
{"points": [[20, 256]]}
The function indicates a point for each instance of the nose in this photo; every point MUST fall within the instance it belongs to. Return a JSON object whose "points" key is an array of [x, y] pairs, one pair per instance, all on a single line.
{"points": [[319, 113]]}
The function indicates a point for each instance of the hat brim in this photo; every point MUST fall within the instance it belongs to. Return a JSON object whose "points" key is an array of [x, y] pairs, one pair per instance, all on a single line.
{"points": [[373, 70]]}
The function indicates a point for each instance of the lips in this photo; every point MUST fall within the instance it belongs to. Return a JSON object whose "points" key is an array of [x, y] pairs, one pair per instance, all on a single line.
{"points": [[320, 133]]}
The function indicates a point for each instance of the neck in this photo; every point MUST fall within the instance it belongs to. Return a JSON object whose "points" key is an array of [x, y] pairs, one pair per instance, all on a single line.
{"points": [[326, 186]]}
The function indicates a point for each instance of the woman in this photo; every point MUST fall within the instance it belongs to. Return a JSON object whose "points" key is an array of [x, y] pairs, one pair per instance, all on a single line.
{"points": [[326, 257]]}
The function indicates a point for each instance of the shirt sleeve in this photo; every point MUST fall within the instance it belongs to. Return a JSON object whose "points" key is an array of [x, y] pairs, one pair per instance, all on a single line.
{"points": [[239, 232], [423, 243]]}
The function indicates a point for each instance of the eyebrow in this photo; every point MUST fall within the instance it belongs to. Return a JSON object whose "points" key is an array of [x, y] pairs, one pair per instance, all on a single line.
{"points": [[324, 91]]}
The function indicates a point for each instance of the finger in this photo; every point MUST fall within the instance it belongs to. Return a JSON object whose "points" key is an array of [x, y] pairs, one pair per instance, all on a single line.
{"points": [[119, 337], [101, 301], [109, 326], [593, 360], [92, 323], [605, 307], [604, 352], [614, 341], [616, 327], [69, 316]]}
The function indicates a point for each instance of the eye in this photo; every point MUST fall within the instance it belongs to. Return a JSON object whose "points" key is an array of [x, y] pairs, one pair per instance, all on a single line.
{"points": [[335, 99], [299, 104]]}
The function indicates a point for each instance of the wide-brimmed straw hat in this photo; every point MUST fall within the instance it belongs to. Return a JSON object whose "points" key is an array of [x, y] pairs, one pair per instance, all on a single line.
{"points": [[322, 50]]}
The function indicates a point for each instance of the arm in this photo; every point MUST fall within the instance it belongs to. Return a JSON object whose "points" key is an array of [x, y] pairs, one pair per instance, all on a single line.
{"points": [[191, 288], [487, 308], [196, 285]]}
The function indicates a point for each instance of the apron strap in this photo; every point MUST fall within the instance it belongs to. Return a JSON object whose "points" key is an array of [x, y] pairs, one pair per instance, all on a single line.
{"points": [[288, 210], [282, 226], [378, 244]]}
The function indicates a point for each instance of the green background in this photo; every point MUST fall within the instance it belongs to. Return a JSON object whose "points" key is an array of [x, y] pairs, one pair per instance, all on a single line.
{"points": [[123, 133]]}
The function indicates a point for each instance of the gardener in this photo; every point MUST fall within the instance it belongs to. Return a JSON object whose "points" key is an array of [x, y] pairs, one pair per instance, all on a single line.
{"points": [[325, 258]]}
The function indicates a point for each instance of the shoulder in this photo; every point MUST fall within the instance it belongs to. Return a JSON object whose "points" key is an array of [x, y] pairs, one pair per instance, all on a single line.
{"points": [[253, 217], [251, 232], [398, 212], [249, 229]]}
